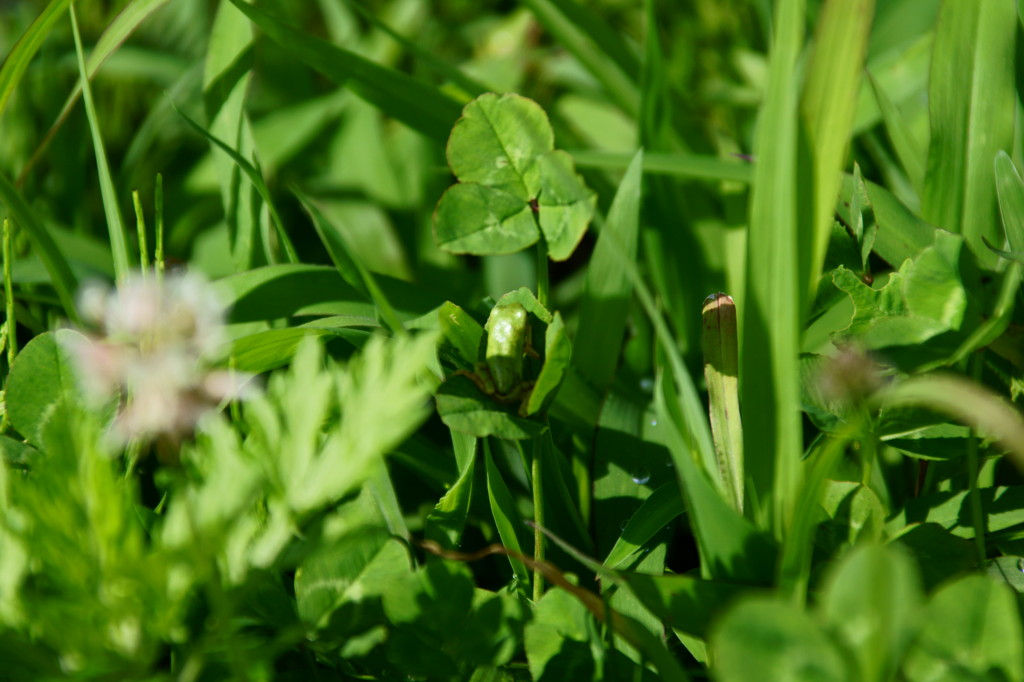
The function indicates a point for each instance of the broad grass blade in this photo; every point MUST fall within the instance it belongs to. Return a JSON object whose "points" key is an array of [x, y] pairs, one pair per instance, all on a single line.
{"points": [[901, 233], [827, 109], [507, 519], [226, 76], [1010, 192], [773, 441], [910, 151], [349, 265], [605, 303], [972, 102], [656, 512], [382, 489], [448, 519]]}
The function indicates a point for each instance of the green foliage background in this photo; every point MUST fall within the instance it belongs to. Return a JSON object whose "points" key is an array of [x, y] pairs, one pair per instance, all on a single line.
{"points": [[846, 170]]}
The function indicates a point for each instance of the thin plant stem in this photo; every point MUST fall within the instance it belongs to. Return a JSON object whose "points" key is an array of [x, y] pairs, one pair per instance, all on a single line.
{"points": [[10, 323], [538, 517], [12, 338], [543, 278], [868, 448], [975, 365], [132, 454], [543, 286], [115, 221], [158, 226], [140, 224]]}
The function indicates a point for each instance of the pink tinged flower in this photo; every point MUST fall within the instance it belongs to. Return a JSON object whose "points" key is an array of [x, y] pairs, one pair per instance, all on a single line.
{"points": [[155, 348], [100, 367]]}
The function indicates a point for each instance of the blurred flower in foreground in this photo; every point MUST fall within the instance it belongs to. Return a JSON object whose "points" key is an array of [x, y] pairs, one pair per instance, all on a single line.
{"points": [[154, 348]]}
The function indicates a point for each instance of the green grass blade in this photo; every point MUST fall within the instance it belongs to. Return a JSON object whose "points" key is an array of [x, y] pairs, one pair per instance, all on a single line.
{"points": [[901, 234], [447, 520], [10, 327], [972, 99], [115, 221], [695, 424], [795, 562], [656, 512], [382, 489], [654, 93], [349, 266], [771, 307], [417, 104], [606, 300], [563, 514], [575, 28], [256, 177], [112, 38], [828, 105], [909, 150], [506, 517], [731, 548], [1010, 190], [140, 228], [729, 545], [227, 73], [970, 403], [16, 62], [689, 166], [61, 277]]}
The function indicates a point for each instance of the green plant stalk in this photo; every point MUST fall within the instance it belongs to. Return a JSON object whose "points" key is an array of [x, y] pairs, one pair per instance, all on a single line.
{"points": [[721, 372], [868, 449], [975, 365], [234, 406], [115, 222], [140, 226], [158, 219], [536, 480], [543, 276], [794, 568], [12, 337], [10, 326]]}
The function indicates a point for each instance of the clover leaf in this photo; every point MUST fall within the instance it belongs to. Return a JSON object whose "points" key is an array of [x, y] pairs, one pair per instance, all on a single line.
{"points": [[514, 186]]}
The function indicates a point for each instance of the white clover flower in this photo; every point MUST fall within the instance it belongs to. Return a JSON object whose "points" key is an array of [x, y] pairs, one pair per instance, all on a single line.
{"points": [[154, 349]]}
